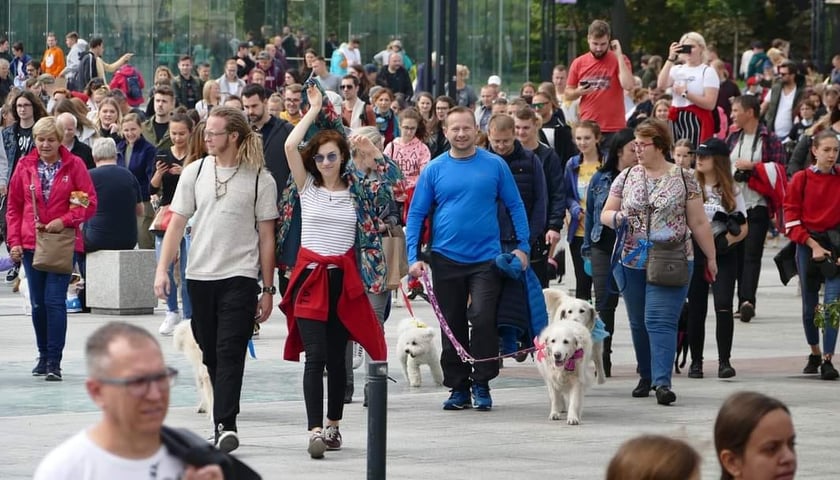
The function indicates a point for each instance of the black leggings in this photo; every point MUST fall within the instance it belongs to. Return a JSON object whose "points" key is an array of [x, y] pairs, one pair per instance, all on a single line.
{"points": [[583, 282], [723, 291], [324, 344]]}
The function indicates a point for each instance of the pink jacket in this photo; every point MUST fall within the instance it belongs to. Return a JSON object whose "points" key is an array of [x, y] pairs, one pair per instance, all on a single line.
{"points": [[411, 157], [71, 176]]}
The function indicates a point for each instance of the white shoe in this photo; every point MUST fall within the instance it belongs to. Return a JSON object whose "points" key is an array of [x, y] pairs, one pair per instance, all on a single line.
{"points": [[169, 322], [358, 355]]}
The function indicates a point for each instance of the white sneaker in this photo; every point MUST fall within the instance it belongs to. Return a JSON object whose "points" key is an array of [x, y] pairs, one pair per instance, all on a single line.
{"points": [[358, 355], [169, 322]]}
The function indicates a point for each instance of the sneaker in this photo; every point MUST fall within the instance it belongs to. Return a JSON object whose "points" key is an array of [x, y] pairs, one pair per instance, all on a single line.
{"points": [[332, 437], [12, 274], [695, 370], [228, 440], [642, 390], [481, 397], [664, 396], [41, 369], [170, 321], [827, 371], [53, 372], [317, 447], [74, 305], [358, 355], [725, 370], [747, 312], [365, 401], [813, 365], [459, 399]]}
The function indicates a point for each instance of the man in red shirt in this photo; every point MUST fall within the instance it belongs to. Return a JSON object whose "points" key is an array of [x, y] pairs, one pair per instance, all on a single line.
{"points": [[599, 79]]}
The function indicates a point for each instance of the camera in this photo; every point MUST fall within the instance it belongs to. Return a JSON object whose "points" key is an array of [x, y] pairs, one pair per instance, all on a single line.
{"points": [[742, 176], [685, 49]]}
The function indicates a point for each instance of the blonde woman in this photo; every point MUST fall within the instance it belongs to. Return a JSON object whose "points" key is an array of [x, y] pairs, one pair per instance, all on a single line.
{"points": [[108, 119], [465, 96], [211, 97]]}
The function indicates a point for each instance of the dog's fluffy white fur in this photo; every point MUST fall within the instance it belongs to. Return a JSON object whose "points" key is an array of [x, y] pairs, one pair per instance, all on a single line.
{"points": [[559, 341], [184, 341], [562, 306], [417, 345]]}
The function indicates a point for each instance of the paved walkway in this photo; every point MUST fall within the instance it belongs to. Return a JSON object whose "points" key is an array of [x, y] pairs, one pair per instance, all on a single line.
{"points": [[514, 440]]}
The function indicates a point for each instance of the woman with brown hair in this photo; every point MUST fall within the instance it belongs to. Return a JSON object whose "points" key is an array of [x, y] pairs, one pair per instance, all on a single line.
{"points": [[654, 457], [338, 223], [755, 438], [656, 201], [436, 139], [410, 154], [725, 208], [86, 130]]}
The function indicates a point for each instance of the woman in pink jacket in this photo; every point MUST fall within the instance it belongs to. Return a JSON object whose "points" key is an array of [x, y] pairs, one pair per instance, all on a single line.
{"points": [[65, 199]]}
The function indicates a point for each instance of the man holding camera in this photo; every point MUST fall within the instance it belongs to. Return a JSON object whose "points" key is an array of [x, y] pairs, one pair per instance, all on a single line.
{"points": [[752, 144], [599, 79]]}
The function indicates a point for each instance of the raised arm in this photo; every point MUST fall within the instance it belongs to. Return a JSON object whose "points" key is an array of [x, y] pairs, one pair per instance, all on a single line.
{"points": [[296, 136]]}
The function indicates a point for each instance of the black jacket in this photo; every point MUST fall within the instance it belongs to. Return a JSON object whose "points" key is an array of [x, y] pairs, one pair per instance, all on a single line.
{"points": [[553, 169], [530, 181], [275, 132], [398, 82], [561, 137]]}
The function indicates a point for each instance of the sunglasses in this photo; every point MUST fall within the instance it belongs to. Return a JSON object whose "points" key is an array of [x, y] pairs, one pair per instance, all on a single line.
{"points": [[537, 106], [329, 158], [139, 386], [346, 87]]}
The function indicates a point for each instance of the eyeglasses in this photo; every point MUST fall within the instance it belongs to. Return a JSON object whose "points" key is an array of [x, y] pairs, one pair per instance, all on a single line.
{"points": [[538, 106], [347, 87], [139, 386], [330, 158], [641, 146], [208, 133]]}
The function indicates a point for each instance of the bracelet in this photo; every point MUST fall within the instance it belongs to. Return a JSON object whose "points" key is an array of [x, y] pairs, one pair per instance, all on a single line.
{"points": [[672, 60]]}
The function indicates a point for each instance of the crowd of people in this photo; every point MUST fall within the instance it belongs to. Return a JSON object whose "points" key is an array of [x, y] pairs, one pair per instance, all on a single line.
{"points": [[662, 200]]}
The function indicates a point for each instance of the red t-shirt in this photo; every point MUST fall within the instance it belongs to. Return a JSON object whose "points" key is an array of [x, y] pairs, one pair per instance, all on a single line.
{"points": [[604, 105]]}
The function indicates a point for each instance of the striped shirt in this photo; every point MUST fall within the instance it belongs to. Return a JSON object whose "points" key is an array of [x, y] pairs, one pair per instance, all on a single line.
{"points": [[328, 219]]}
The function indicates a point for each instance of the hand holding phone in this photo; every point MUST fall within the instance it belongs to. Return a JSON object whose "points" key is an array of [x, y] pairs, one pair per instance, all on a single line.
{"points": [[685, 48]]}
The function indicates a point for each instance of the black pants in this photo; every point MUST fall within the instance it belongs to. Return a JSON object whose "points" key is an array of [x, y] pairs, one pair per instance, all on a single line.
{"points": [[222, 323], [750, 252], [455, 285], [325, 344], [606, 296], [723, 292], [583, 282]]}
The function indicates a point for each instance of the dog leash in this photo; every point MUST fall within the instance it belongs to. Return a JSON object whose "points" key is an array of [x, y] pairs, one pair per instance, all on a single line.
{"points": [[462, 352]]}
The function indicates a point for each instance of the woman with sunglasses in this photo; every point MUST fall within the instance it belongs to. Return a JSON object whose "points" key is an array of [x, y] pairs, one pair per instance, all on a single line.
{"points": [[655, 201], [339, 260], [695, 88]]}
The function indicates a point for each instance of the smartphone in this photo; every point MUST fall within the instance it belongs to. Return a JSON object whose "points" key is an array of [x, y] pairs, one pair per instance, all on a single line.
{"points": [[162, 157], [585, 83], [685, 49]]}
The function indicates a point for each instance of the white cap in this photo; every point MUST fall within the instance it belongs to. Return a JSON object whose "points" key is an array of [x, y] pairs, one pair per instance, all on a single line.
{"points": [[494, 80]]}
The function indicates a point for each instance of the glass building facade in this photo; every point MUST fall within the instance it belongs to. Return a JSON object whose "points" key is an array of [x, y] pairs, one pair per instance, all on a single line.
{"points": [[495, 36]]}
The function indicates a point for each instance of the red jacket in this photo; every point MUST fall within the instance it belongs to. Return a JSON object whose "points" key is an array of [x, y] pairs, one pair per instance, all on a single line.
{"points": [[812, 203], [707, 121], [770, 180], [71, 176], [120, 81], [313, 302]]}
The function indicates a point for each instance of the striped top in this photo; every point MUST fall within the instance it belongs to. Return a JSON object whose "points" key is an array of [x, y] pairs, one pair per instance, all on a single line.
{"points": [[328, 219]]}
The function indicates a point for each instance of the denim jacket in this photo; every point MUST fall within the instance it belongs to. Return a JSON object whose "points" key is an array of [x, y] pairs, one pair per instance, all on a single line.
{"points": [[596, 197]]}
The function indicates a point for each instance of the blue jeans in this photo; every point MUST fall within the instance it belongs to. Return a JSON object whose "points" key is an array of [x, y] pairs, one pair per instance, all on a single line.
{"points": [[811, 297], [172, 298], [654, 314], [47, 295]]}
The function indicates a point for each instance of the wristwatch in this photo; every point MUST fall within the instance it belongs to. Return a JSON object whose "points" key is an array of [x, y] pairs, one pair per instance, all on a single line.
{"points": [[272, 290]]}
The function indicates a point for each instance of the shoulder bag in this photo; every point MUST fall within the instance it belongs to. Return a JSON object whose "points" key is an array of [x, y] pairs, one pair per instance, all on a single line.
{"points": [[667, 264], [53, 251]]}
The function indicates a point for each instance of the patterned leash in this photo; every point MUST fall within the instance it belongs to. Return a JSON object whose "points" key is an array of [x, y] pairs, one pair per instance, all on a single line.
{"points": [[462, 352]]}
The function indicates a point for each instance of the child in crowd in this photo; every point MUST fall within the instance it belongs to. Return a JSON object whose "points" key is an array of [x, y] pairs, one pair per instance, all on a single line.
{"points": [[683, 155]]}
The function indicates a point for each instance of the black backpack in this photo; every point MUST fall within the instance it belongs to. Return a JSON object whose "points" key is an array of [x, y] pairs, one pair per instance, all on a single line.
{"points": [[133, 83], [87, 70]]}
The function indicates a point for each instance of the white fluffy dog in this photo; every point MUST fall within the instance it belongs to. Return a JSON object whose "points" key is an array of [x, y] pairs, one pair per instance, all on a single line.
{"points": [[563, 349], [417, 345], [184, 341], [562, 306]]}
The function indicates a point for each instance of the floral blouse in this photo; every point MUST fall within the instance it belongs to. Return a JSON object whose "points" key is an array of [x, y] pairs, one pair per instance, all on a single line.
{"points": [[666, 195]]}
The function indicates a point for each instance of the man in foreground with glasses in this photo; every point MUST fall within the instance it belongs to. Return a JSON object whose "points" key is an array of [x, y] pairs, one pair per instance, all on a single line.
{"points": [[130, 383]]}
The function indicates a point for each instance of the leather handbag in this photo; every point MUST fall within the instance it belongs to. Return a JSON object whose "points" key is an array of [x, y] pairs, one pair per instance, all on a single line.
{"points": [[161, 220], [667, 264], [53, 251]]}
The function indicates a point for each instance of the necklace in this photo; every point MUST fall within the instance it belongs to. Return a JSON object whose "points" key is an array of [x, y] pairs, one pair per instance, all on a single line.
{"points": [[221, 186]]}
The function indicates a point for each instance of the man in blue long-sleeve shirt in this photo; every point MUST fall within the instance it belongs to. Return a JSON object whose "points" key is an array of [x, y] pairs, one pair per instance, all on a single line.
{"points": [[464, 186]]}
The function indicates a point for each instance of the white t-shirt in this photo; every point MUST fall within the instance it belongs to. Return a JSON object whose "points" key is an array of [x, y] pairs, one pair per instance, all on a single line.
{"points": [[328, 219], [224, 242], [744, 149], [714, 203], [78, 458], [783, 123], [697, 79]]}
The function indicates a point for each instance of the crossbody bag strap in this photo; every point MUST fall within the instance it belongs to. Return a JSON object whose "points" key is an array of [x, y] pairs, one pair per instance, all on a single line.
{"points": [[34, 201], [685, 206], [195, 199]]}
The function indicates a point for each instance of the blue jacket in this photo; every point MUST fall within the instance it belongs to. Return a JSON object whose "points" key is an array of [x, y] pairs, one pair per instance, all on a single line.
{"points": [[141, 163], [530, 181], [553, 169], [596, 197], [17, 65]]}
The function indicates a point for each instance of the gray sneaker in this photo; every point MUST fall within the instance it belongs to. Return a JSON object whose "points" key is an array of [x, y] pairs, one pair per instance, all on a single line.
{"points": [[317, 447]]}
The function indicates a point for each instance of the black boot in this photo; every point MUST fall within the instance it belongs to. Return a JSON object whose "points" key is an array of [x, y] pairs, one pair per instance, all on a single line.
{"points": [[813, 365], [696, 369], [642, 389]]}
